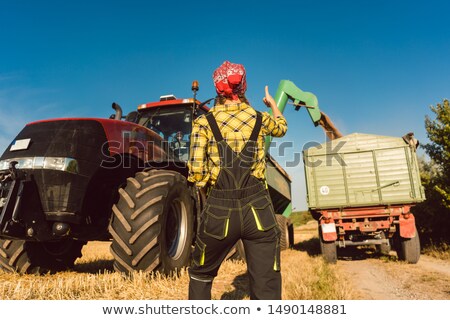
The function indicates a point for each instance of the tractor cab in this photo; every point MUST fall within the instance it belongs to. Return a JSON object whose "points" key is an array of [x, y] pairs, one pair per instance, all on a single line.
{"points": [[171, 119]]}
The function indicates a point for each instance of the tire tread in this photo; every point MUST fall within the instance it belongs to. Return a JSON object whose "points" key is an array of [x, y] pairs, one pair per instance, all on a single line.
{"points": [[137, 223]]}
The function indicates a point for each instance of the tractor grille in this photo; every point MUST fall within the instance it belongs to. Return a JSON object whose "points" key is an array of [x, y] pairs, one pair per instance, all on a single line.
{"points": [[62, 192]]}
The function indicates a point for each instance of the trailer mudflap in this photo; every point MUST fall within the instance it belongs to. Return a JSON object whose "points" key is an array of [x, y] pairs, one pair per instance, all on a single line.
{"points": [[407, 225], [328, 231]]}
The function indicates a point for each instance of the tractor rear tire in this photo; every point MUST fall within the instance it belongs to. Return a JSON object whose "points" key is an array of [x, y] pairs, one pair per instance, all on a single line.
{"points": [[153, 223], [283, 225], [328, 249], [291, 234], [26, 257], [237, 252], [408, 249]]}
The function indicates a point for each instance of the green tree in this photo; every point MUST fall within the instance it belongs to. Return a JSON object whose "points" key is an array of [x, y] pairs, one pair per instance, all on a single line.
{"points": [[439, 148], [433, 215]]}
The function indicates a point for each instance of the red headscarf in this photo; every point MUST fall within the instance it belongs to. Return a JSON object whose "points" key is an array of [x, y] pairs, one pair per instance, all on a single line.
{"points": [[229, 80]]}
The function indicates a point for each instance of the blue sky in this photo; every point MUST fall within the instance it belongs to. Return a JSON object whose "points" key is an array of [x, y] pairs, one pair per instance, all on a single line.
{"points": [[375, 66]]}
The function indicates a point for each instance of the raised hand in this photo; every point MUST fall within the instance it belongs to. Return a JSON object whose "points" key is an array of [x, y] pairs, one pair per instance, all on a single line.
{"points": [[268, 99]]}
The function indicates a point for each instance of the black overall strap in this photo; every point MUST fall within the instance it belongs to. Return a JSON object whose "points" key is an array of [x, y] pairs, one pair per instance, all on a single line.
{"points": [[214, 127], [257, 127]]}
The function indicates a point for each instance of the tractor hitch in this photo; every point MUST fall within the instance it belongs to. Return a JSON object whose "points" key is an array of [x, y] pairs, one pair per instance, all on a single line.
{"points": [[19, 195]]}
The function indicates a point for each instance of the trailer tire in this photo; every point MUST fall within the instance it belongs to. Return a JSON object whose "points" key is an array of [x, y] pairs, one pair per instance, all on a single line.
{"points": [[26, 257], [408, 249], [328, 249], [384, 248], [152, 223], [283, 225]]}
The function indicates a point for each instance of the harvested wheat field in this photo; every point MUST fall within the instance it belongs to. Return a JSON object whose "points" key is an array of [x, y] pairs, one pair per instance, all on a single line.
{"points": [[358, 274], [305, 276]]}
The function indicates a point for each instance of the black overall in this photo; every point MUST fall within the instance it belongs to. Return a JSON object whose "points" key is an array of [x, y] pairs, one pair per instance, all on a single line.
{"points": [[238, 207]]}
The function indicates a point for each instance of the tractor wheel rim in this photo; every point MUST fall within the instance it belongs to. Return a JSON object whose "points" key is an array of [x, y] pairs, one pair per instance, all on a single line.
{"points": [[176, 229]]}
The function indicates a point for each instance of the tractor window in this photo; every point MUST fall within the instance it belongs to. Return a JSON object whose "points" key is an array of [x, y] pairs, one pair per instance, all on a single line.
{"points": [[173, 124]]}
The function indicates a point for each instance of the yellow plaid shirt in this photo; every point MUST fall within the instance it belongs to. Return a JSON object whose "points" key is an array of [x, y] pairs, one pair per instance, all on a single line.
{"points": [[236, 122]]}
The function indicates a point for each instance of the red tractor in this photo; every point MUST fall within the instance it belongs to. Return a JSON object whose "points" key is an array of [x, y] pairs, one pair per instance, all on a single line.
{"points": [[64, 182]]}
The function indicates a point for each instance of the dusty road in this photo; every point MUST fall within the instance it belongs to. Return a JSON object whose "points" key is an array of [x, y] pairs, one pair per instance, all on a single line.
{"points": [[376, 277], [383, 278]]}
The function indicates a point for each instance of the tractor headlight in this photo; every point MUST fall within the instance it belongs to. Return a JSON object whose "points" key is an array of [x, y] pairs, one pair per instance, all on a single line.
{"points": [[50, 163], [54, 163]]}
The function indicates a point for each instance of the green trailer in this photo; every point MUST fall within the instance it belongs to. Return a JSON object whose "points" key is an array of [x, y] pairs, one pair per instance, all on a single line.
{"points": [[360, 188], [279, 182]]}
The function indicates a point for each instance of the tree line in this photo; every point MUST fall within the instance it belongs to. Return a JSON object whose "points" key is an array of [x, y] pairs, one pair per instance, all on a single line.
{"points": [[433, 215]]}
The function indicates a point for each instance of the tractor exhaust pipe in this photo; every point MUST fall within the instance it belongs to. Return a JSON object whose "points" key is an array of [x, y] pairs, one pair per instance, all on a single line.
{"points": [[118, 110]]}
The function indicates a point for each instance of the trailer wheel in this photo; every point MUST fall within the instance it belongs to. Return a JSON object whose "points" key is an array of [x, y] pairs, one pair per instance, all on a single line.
{"points": [[152, 224], [26, 257], [283, 225], [384, 248], [408, 249], [328, 249]]}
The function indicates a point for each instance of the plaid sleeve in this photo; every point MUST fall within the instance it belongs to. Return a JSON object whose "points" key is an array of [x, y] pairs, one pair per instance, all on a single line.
{"points": [[198, 163], [275, 127]]}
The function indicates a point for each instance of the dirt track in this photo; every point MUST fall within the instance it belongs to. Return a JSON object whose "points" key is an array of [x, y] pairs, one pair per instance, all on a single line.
{"points": [[376, 277]]}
